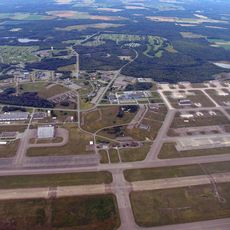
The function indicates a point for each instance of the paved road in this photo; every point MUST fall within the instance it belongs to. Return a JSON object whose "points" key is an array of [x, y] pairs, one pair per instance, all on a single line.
{"points": [[156, 147]]}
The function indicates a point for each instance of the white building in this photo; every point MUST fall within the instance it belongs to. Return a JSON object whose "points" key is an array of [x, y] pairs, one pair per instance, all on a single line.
{"points": [[45, 132], [14, 116]]}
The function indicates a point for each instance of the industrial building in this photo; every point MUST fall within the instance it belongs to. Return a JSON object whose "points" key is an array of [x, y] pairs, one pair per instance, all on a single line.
{"points": [[14, 116], [45, 132]]}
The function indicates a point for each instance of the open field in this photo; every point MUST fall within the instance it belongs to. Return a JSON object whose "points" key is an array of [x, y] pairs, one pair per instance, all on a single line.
{"points": [[175, 171], [135, 154], [76, 138], [24, 16], [13, 128], [152, 120], [191, 35], [81, 212], [9, 150], [222, 97], [113, 155], [89, 26], [83, 15], [104, 157], [180, 205], [184, 20], [16, 54], [169, 151], [52, 90], [205, 120], [53, 180], [33, 86], [197, 97], [220, 43], [103, 117], [155, 45]]}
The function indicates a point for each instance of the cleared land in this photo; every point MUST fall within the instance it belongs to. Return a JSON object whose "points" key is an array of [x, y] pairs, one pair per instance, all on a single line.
{"points": [[82, 212], [17, 54], [89, 26], [155, 45], [180, 205], [76, 145], [33, 87], [83, 15], [168, 151], [53, 180], [205, 120], [9, 150], [175, 171], [52, 90], [220, 43], [103, 117], [135, 154], [104, 157]]}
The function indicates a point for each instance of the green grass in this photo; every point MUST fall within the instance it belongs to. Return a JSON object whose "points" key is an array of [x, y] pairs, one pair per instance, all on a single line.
{"points": [[175, 171], [104, 157], [113, 155], [103, 117], [135, 154], [180, 205], [76, 145], [17, 54], [169, 151], [88, 26], [33, 86], [9, 150], [47, 92], [81, 212], [53, 180]]}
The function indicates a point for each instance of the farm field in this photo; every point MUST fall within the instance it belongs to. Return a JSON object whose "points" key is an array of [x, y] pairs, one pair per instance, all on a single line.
{"points": [[88, 26]]}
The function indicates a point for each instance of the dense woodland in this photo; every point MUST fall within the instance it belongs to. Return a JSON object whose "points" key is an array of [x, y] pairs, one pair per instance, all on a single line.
{"points": [[192, 61]]}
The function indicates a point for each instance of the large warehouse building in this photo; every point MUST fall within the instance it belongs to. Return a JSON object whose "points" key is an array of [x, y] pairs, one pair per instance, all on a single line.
{"points": [[45, 132], [14, 116]]}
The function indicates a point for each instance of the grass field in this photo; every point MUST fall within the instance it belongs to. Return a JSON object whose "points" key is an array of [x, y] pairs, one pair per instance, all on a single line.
{"points": [[113, 155], [68, 14], [81, 212], [135, 154], [53, 180], [169, 151], [13, 128], [9, 150], [104, 157], [33, 86], [175, 171], [180, 205], [89, 26], [153, 120], [76, 145], [155, 45], [24, 16], [103, 117], [220, 43], [206, 120], [17, 54], [52, 90]]}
